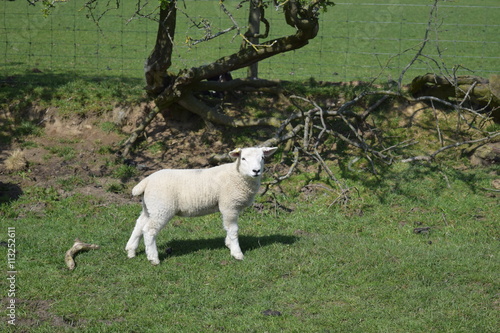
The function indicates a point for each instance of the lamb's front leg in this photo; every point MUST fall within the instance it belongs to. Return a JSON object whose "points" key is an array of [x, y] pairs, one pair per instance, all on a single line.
{"points": [[230, 220]]}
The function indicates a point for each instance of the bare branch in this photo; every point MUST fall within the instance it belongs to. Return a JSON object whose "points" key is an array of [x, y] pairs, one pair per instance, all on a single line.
{"points": [[454, 145], [422, 46], [207, 26], [77, 247], [278, 179]]}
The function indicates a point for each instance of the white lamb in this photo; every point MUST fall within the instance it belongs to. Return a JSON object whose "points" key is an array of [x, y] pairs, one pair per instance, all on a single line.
{"points": [[227, 188]]}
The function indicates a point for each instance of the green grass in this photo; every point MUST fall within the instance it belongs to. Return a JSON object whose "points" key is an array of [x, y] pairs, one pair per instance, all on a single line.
{"points": [[71, 182], [66, 152], [357, 40], [125, 172], [68, 94], [10, 129], [359, 268], [315, 268]]}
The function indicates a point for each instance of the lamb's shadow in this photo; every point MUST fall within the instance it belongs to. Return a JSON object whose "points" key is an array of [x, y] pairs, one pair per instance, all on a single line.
{"points": [[180, 247], [9, 192]]}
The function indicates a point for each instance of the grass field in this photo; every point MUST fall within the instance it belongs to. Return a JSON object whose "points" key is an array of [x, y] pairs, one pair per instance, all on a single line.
{"points": [[362, 268], [414, 250], [357, 40]]}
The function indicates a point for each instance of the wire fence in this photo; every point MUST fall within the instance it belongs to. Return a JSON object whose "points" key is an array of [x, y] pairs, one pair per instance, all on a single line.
{"points": [[358, 40]]}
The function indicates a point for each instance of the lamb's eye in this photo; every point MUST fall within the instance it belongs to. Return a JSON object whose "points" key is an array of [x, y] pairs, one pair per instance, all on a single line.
{"points": [[243, 159]]}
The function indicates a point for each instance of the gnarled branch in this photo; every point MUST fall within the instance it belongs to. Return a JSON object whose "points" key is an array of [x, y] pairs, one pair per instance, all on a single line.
{"points": [[77, 247]]}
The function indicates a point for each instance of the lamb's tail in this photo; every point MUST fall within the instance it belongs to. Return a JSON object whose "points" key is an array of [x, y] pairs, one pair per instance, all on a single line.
{"points": [[139, 188]]}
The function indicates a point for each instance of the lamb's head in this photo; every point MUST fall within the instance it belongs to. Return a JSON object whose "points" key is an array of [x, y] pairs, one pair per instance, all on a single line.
{"points": [[251, 160]]}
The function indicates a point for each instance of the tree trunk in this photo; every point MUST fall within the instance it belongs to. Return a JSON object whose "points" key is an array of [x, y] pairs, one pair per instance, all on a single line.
{"points": [[254, 30], [157, 64]]}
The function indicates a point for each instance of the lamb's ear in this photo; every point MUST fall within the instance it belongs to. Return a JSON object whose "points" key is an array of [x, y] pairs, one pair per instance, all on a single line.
{"points": [[235, 153], [268, 151]]}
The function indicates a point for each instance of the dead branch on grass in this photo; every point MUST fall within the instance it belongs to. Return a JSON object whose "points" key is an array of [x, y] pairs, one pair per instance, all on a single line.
{"points": [[77, 247], [431, 156], [309, 127]]}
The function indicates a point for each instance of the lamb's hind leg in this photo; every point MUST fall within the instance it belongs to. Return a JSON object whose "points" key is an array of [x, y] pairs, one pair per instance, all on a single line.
{"points": [[135, 238], [150, 231], [150, 243]]}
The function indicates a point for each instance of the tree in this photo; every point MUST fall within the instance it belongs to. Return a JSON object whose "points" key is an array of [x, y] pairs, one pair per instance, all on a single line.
{"points": [[168, 88]]}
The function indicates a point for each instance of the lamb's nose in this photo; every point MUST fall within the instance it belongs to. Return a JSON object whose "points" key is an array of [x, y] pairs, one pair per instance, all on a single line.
{"points": [[256, 171]]}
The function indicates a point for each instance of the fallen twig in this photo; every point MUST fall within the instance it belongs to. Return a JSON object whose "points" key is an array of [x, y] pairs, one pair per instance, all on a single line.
{"points": [[454, 145], [78, 246], [422, 230], [490, 189]]}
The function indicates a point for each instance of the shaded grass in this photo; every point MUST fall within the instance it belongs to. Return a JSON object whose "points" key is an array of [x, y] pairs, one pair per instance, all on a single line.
{"points": [[69, 93], [360, 268]]}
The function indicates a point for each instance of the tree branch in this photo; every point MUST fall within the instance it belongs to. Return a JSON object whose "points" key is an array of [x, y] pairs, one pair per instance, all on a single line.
{"points": [[77, 247], [191, 103], [454, 145]]}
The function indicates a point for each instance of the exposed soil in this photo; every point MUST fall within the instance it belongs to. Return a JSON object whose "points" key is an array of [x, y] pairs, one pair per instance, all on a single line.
{"points": [[41, 311], [82, 155]]}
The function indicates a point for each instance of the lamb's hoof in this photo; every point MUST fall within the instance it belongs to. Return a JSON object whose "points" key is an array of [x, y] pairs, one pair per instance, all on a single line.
{"points": [[155, 262], [238, 256], [130, 254]]}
